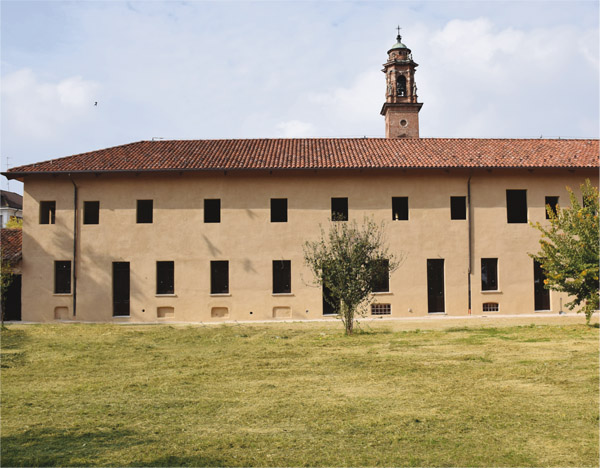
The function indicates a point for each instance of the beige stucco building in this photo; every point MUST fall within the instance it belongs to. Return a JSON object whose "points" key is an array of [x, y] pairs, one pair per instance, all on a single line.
{"points": [[212, 230]]}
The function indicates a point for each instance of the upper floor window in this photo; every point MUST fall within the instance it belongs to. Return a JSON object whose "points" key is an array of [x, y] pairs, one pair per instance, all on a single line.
{"points": [[458, 207], [62, 277], [91, 212], [212, 210], [279, 210], [551, 202], [47, 212], [516, 206], [489, 274], [282, 276], [400, 208], [339, 209], [144, 211], [165, 277]]}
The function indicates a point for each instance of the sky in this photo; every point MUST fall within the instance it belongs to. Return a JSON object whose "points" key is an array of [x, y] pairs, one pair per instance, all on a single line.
{"points": [[83, 75]]}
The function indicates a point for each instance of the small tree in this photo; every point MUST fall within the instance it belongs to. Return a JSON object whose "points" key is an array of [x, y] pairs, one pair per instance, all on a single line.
{"points": [[569, 250], [14, 223], [348, 261]]}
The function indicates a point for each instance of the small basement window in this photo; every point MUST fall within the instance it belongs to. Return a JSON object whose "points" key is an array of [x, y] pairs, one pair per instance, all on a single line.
{"points": [[282, 276], [458, 207], [279, 210], [91, 212], [219, 277], [144, 211], [47, 212], [381, 309], [212, 210], [400, 208], [165, 277], [490, 307], [551, 202], [62, 277], [339, 209], [516, 206]]}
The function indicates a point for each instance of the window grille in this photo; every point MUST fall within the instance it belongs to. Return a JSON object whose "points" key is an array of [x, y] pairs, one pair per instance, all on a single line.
{"points": [[381, 309], [490, 307]]}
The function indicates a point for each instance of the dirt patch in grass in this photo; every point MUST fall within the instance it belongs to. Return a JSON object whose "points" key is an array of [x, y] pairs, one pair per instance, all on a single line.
{"points": [[301, 394]]}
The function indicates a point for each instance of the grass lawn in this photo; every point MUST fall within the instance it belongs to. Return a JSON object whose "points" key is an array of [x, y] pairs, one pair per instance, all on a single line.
{"points": [[300, 394]]}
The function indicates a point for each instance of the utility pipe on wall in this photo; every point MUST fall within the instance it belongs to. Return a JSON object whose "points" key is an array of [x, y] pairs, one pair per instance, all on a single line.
{"points": [[74, 248], [469, 225]]}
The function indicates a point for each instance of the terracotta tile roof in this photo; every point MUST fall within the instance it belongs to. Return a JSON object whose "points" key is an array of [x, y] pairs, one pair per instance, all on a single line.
{"points": [[325, 153], [10, 244]]}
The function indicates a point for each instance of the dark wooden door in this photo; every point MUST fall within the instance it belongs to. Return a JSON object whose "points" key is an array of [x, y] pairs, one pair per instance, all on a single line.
{"points": [[541, 294], [120, 288], [328, 308], [11, 302], [435, 285]]}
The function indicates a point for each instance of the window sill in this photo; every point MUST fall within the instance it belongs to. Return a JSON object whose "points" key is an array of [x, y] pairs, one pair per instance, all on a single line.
{"points": [[121, 316], [62, 294], [165, 295], [282, 294], [495, 291], [220, 295], [383, 293]]}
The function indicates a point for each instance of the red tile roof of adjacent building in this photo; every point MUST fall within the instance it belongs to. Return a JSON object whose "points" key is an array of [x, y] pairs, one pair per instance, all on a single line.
{"points": [[325, 153], [10, 243]]}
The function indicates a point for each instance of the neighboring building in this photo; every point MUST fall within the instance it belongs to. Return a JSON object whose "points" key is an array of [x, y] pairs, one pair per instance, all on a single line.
{"points": [[211, 230], [11, 205]]}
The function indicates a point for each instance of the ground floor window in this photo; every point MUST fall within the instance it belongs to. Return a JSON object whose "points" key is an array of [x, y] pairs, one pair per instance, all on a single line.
{"points": [[62, 277], [219, 277]]}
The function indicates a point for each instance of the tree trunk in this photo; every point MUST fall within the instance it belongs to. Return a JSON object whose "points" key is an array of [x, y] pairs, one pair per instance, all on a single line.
{"points": [[349, 314]]}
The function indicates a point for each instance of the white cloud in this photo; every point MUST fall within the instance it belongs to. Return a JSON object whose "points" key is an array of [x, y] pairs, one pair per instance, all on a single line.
{"points": [[353, 102], [295, 129], [36, 109]]}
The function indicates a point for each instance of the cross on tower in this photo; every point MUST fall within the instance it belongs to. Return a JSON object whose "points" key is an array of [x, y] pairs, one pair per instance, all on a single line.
{"points": [[399, 28]]}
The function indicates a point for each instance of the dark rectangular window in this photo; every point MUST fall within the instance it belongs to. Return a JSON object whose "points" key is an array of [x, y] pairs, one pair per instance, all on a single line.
{"points": [[279, 210], [400, 208], [144, 211], [435, 285], [219, 277], [458, 207], [516, 206], [282, 276], [339, 209], [62, 277], [489, 274], [541, 294], [380, 275], [121, 289], [165, 277], [47, 212], [91, 212], [212, 210], [552, 202]]}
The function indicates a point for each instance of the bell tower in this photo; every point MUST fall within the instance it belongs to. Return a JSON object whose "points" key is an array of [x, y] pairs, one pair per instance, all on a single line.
{"points": [[401, 109]]}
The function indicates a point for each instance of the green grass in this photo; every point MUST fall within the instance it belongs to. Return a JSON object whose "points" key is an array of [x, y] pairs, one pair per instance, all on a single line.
{"points": [[299, 395]]}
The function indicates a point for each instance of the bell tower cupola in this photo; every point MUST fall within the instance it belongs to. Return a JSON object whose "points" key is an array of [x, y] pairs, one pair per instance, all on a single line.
{"points": [[401, 109]]}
